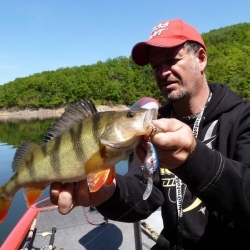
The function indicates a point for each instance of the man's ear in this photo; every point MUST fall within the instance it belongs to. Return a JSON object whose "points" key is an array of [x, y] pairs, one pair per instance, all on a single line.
{"points": [[202, 56]]}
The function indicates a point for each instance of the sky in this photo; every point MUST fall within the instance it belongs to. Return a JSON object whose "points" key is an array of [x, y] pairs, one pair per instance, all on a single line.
{"points": [[42, 35]]}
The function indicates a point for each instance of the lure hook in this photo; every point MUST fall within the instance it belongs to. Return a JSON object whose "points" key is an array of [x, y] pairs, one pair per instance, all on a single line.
{"points": [[154, 129]]}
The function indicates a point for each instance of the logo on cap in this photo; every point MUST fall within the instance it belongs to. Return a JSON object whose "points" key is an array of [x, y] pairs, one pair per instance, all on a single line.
{"points": [[157, 30]]}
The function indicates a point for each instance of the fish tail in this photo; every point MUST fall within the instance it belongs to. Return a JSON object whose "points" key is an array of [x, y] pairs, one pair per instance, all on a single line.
{"points": [[4, 204]]}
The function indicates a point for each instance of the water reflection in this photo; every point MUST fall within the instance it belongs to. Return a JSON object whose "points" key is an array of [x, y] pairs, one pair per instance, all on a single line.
{"points": [[12, 133]]}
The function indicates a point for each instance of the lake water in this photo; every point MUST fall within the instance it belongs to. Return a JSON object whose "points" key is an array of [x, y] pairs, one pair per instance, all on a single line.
{"points": [[11, 135]]}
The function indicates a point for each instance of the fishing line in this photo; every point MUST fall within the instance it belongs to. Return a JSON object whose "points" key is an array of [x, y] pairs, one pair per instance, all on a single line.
{"points": [[115, 220], [93, 209]]}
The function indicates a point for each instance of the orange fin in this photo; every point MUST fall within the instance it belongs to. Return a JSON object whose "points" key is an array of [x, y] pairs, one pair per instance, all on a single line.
{"points": [[32, 194], [111, 176], [4, 205], [98, 179]]}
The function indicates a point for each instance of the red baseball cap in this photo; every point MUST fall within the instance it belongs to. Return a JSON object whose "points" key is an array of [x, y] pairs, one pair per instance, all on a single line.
{"points": [[166, 34]]}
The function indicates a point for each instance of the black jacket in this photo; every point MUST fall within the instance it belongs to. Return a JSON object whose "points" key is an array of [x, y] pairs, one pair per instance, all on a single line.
{"points": [[217, 201]]}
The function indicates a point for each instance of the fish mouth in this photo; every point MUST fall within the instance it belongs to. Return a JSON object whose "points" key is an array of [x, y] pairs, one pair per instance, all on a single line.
{"points": [[150, 115]]}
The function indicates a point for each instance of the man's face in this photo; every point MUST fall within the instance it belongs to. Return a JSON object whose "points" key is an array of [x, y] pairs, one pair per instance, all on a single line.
{"points": [[176, 71]]}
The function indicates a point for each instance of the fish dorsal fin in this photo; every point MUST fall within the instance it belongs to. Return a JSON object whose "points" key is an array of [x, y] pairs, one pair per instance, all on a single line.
{"points": [[73, 114], [98, 179], [24, 151]]}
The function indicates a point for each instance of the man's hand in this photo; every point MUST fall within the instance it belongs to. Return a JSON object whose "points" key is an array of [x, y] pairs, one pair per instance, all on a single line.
{"points": [[69, 195], [174, 143]]}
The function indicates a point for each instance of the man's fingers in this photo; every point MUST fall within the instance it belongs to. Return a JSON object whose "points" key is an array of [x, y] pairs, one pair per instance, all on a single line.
{"points": [[67, 196], [175, 135], [85, 198], [103, 194], [55, 189], [66, 200], [167, 125], [174, 142], [82, 195]]}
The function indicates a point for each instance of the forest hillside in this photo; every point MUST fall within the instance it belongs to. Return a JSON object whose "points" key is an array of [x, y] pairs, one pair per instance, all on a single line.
{"points": [[120, 81]]}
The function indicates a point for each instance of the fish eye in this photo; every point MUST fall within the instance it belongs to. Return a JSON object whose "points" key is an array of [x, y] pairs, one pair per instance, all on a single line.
{"points": [[130, 114]]}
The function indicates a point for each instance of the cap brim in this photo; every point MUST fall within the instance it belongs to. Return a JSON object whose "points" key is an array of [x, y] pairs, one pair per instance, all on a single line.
{"points": [[140, 50]]}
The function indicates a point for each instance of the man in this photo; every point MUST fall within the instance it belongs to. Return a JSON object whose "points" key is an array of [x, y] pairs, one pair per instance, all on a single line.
{"points": [[203, 184]]}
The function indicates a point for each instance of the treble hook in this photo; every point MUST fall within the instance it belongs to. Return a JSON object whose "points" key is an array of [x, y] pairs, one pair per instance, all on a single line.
{"points": [[154, 129]]}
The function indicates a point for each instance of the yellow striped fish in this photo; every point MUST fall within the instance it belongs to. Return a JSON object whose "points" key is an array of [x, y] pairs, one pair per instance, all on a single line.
{"points": [[81, 144]]}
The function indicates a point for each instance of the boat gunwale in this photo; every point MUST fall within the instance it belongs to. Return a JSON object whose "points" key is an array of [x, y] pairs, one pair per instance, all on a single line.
{"points": [[21, 229]]}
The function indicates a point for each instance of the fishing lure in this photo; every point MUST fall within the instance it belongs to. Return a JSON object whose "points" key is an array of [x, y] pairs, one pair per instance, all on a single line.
{"points": [[151, 164]]}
